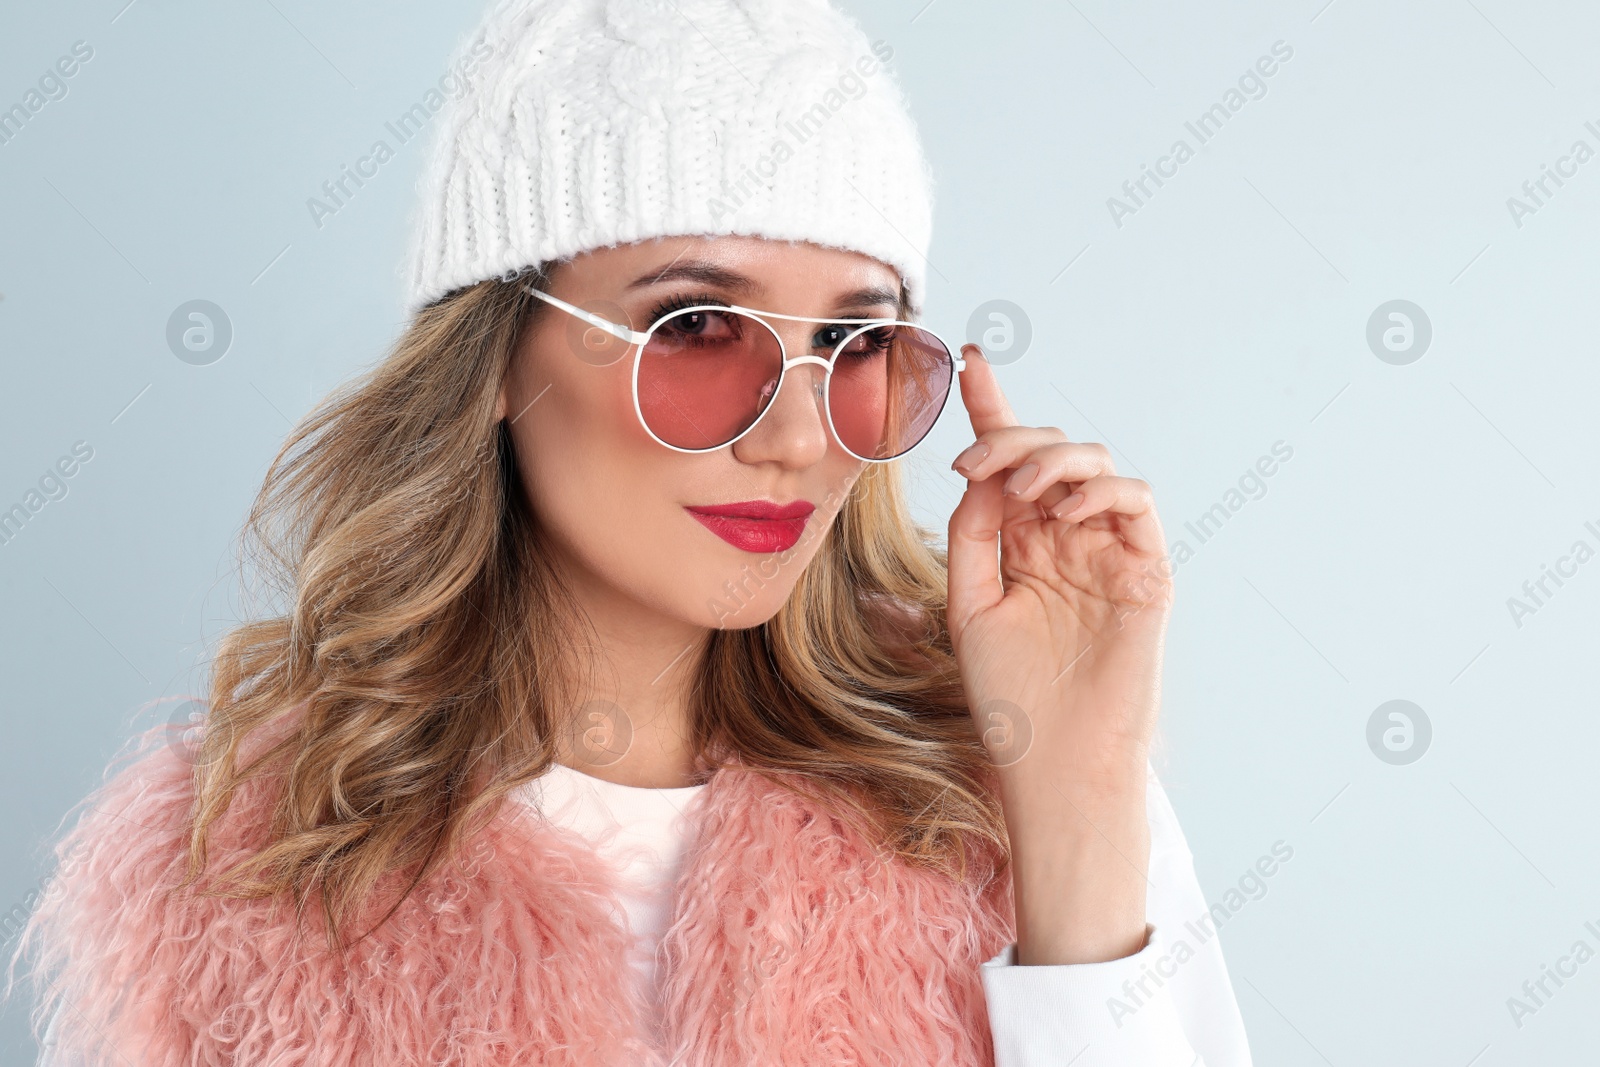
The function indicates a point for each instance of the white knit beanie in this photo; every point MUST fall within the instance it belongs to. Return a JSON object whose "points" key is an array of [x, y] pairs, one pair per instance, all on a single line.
{"points": [[588, 123]]}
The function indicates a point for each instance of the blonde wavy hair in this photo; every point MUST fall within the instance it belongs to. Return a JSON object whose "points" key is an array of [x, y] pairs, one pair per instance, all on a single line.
{"points": [[420, 672]]}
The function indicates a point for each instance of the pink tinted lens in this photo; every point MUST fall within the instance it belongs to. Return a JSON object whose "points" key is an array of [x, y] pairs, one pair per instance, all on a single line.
{"points": [[706, 375], [889, 384]]}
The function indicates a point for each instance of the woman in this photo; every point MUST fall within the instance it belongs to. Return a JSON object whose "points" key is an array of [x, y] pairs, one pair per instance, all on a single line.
{"points": [[620, 713]]}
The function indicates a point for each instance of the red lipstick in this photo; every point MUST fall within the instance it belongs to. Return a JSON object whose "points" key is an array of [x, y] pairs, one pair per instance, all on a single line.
{"points": [[755, 525]]}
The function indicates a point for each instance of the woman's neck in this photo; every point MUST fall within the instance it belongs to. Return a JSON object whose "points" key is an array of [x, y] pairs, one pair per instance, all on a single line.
{"points": [[643, 767], [631, 723]]}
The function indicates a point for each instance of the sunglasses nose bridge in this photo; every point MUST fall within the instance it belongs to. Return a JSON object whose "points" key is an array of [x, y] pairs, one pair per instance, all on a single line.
{"points": [[794, 337], [819, 383], [819, 379]]}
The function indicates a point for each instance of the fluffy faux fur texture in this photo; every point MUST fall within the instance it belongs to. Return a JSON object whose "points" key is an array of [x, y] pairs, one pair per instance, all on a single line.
{"points": [[793, 942]]}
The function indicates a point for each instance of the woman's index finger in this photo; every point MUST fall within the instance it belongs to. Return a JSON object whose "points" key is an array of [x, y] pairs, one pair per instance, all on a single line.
{"points": [[981, 395]]}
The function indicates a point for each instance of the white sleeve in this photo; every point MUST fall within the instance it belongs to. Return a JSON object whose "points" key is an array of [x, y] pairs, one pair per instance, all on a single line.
{"points": [[1168, 1005], [52, 1055], [49, 1054]]}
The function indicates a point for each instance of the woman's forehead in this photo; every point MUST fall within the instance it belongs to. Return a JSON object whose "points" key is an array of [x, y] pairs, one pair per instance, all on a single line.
{"points": [[743, 267], [759, 258]]}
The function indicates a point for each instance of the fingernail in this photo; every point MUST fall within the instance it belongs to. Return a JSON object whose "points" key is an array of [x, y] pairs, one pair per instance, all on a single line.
{"points": [[1067, 506], [1023, 478], [973, 456]]}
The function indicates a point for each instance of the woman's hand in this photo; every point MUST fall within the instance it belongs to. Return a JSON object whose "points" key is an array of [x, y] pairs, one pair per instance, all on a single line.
{"points": [[1058, 638]]}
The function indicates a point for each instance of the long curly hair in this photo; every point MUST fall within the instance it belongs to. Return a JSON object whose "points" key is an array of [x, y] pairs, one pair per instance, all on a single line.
{"points": [[420, 671]]}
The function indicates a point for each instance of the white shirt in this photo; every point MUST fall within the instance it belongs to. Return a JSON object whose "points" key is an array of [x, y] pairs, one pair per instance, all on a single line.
{"points": [[1168, 1005], [643, 832]]}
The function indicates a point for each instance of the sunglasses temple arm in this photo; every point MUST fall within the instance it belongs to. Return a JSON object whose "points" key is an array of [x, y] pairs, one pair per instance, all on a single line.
{"points": [[632, 336]]}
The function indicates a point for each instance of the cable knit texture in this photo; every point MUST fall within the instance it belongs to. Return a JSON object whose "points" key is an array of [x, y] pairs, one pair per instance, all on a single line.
{"points": [[793, 941], [590, 123]]}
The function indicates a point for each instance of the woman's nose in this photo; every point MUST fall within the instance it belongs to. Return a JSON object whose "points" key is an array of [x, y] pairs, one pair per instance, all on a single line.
{"points": [[793, 428]]}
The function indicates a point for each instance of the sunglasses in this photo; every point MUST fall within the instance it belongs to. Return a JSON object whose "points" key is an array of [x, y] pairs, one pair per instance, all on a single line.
{"points": [[704, 376]]}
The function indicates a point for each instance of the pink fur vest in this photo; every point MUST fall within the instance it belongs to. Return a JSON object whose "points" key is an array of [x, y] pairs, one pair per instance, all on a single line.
{"points": [[792, 942]]}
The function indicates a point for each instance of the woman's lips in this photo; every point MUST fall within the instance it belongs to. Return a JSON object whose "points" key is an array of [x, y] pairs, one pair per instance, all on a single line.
{"points": [[756, 525]]}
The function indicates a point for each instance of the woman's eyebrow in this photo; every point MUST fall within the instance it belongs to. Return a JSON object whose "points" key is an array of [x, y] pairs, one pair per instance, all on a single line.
{"points": [[698, 271], [867, 297]]}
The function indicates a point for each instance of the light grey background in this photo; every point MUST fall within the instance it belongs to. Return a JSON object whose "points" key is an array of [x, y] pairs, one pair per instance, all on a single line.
{"points": [[1227, 313]]}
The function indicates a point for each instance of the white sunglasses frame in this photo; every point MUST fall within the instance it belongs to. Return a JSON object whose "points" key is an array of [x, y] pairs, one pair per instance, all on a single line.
{"points": [[639, 340]]}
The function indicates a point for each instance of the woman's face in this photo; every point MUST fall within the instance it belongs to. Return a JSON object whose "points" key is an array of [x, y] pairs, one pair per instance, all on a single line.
{"points": [[617, 502]]}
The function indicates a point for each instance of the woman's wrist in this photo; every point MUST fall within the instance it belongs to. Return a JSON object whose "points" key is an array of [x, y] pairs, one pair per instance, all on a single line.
{"points": [[1080, 853]]}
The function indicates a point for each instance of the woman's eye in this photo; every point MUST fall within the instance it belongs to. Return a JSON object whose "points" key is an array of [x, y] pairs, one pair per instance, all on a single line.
{"points": [[829, 337], [871, 342], [706, 323]]}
